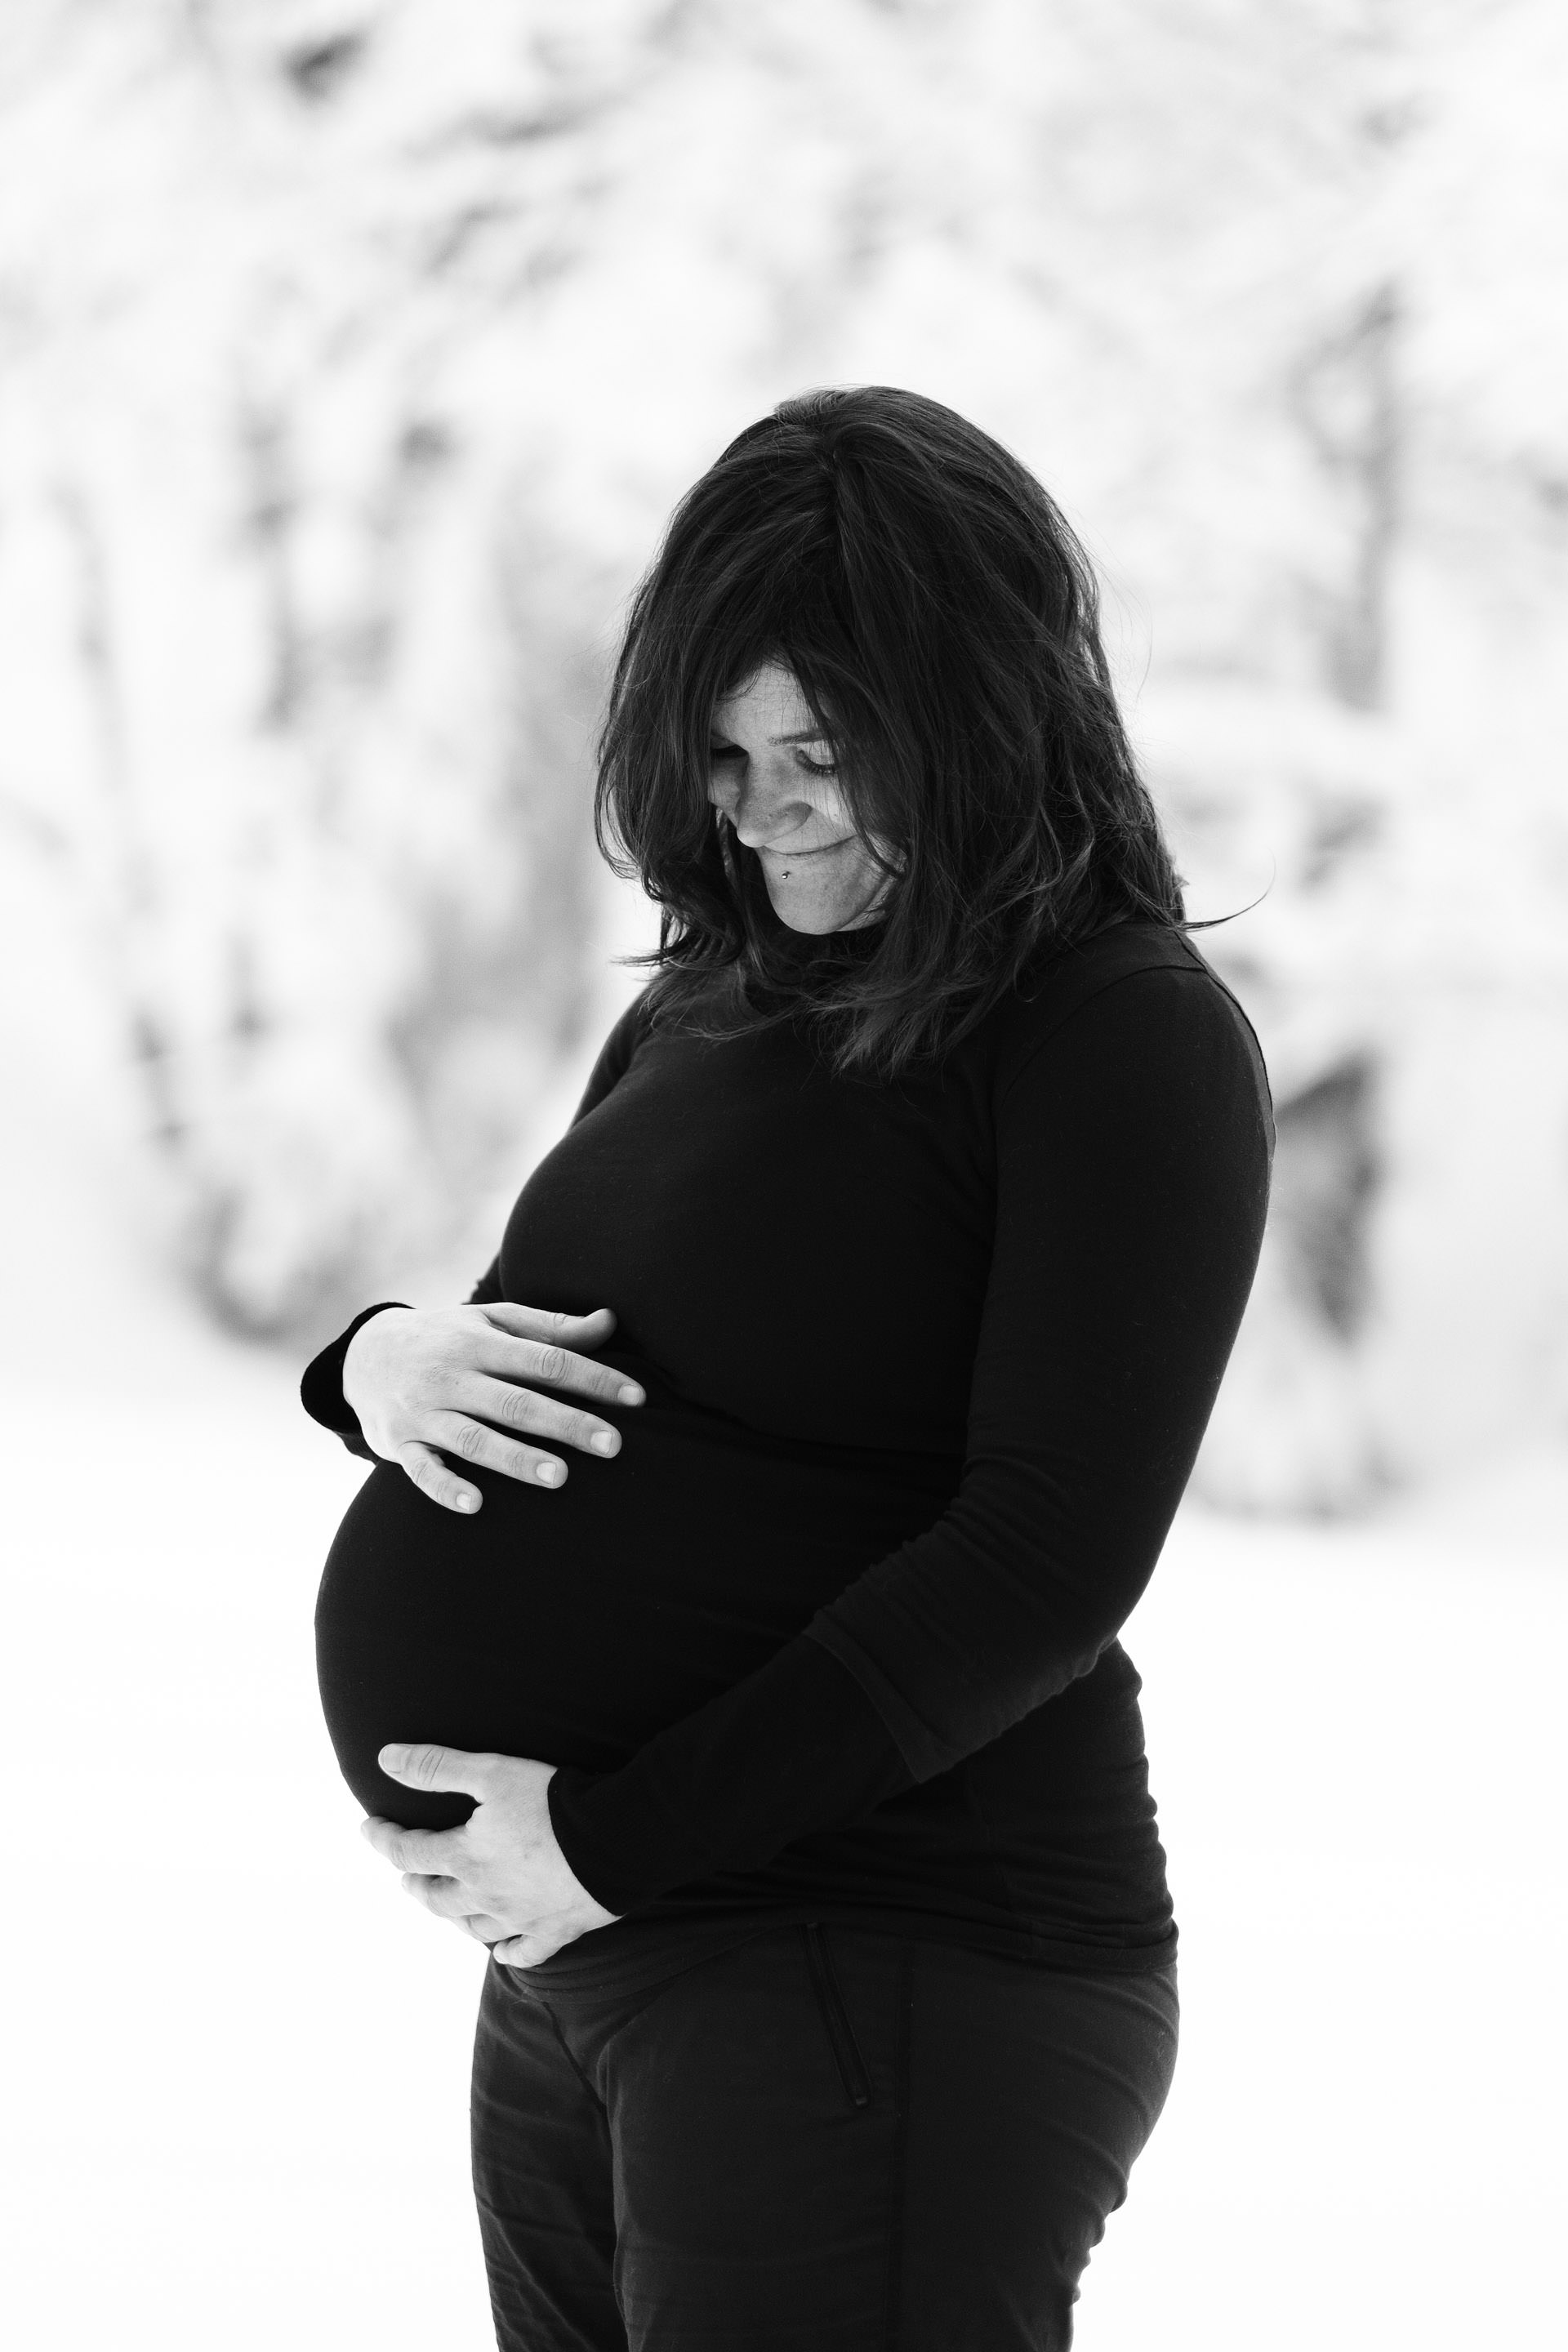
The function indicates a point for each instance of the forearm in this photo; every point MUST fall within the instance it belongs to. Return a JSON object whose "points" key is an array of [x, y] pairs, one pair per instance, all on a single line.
{"points": [[931, 1656], [797, 1747]]}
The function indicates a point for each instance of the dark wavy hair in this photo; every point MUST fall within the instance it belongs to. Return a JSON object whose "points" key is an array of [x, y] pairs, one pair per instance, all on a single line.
{"points": [[943, 621]]}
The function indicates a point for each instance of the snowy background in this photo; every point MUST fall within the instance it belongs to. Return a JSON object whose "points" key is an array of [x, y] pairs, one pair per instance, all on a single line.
{"points": [[351, 357]]}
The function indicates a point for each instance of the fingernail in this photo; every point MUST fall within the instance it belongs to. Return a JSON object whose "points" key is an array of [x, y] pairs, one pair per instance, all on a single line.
{"points": [[606, 1441], [548, 1472], [467, 1502], [631, 1393]]}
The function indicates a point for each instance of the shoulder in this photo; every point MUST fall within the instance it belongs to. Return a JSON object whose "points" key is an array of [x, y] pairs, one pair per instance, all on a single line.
{"points": [[615, 1055], [1139, 985], [633, 1025]]}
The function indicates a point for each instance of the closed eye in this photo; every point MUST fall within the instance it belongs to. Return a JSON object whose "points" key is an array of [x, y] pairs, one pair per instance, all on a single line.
{"points": [[719, 753]]}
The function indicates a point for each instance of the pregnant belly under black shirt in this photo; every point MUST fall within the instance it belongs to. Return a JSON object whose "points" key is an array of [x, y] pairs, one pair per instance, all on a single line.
{"points": [[928, 1362]]}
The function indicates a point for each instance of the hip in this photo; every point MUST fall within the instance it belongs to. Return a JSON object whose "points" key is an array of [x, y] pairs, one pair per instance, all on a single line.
{"points": [[816, 2134]]}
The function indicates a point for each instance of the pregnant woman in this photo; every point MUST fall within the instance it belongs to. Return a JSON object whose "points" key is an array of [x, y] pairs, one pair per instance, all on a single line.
{"points": [[727, 1635]]}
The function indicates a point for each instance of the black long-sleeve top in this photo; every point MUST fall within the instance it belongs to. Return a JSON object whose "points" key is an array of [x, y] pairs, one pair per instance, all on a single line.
{"points": [[928, 1362]]}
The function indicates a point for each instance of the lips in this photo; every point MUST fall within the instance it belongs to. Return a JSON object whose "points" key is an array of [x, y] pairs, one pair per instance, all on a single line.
{"points": [[795, 857]]}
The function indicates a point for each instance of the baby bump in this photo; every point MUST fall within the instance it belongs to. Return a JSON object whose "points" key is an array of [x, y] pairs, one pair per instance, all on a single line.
{"points": [[574, 1625], [507, 1630]]}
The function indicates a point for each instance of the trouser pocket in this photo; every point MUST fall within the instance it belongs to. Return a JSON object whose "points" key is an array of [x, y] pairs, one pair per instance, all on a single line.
{"points": [[836, 2016]]}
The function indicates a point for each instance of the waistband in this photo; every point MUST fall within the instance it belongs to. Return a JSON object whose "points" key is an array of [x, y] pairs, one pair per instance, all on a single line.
{"points": [[643, 1947]]}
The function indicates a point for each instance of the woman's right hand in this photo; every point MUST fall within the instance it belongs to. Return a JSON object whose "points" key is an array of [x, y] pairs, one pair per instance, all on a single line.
{"points": [[422, 1379]]}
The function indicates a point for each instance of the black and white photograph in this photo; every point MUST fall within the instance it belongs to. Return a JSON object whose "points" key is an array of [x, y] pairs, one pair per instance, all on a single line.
{"points": [[783, 1043]]}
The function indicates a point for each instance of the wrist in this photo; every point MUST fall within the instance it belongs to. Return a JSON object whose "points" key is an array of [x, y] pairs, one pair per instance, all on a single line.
{"points": [[321, 1388], [356, 1347], [596, 1862]]}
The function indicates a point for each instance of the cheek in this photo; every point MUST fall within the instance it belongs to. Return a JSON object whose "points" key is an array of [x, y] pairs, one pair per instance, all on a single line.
{"points": [[832, 807]]}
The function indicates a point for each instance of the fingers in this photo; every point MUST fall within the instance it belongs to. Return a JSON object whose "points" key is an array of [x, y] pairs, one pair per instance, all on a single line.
{"points": [[522, 1951], [483, 1928], [552, 1363], [446, 1898], [432, 1477], [433, 1854], [589, 1330], [424, 1766], [489, 1449], [542, 1416]]}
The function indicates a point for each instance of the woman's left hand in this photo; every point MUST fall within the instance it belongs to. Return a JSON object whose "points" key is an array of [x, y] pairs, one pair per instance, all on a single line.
{"points": [[501, 1875]]}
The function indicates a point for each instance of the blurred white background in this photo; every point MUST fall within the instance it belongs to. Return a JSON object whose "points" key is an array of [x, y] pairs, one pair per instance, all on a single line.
{"points": [[351, 357]]}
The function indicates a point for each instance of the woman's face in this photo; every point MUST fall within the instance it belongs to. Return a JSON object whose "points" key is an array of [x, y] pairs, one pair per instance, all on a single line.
{"points": [[772, 775]]}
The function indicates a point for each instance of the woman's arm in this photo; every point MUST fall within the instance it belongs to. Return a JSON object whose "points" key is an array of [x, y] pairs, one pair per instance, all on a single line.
{"points": [[321, 1388], [1133, 1154]]}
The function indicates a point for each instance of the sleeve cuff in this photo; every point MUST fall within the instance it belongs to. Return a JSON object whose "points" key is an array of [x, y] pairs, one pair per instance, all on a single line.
{"points": [[795, 1748], [321, 1388]]}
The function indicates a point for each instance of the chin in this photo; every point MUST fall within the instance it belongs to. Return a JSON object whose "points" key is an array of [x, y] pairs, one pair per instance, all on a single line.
{"points": [[810, 915], [814, 926], [816, 921]]}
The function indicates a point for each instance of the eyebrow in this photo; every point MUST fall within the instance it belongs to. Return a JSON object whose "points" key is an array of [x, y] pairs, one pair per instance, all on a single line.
{"points": [[805, 735]]}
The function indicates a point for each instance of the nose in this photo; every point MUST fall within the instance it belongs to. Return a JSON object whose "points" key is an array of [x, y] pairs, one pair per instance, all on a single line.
{"points": [[761, 810]]}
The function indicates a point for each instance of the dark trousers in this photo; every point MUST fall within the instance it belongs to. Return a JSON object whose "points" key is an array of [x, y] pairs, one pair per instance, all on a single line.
{"points": [[819, 2138]]}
